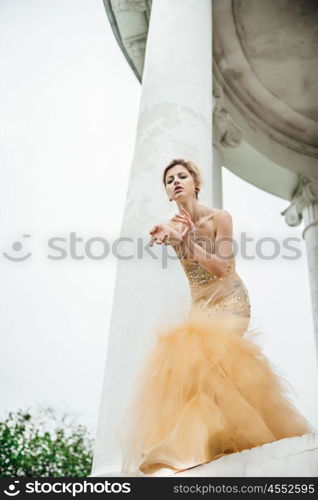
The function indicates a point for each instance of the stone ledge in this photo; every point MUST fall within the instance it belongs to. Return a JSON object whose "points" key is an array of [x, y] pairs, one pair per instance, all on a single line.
{"points": [[290, 457]]}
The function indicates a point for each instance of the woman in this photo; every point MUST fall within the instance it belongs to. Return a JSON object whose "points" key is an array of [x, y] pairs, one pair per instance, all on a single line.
{"points": [[206, 389]]}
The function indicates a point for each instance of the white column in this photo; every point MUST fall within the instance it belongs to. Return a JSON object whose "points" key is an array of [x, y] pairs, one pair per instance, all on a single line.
{"points": [[217, 196], [304, 206], [226, 134], [174, 121]]}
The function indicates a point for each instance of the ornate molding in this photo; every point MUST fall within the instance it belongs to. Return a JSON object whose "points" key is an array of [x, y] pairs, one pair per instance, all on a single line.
{"points": [[225, 132], [306, 194], [121, 5], [129, 20], [137, 46]]}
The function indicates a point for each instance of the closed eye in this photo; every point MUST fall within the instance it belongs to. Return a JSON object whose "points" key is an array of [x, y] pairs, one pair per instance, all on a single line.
{"points": [[180, 176]]}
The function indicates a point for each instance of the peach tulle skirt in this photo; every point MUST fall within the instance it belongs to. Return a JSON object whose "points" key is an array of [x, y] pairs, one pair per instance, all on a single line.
{"points": [[206, 391]]}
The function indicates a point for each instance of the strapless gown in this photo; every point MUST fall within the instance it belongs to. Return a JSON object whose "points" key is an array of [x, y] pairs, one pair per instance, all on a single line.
{"points": [[206, 389]]}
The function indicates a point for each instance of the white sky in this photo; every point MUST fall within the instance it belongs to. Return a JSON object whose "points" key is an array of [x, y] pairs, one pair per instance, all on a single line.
{"points": [[69, 105]]}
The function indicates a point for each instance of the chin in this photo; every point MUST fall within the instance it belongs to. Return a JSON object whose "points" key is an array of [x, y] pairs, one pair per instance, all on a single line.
{"points": [[180, 196]]}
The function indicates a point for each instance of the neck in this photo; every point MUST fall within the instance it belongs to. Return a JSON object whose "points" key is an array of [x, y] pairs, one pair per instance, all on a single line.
{"points": [[191, 206]]}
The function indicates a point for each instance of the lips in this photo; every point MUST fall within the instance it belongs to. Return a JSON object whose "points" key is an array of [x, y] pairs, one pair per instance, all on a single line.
{"points": [[177, 189]]}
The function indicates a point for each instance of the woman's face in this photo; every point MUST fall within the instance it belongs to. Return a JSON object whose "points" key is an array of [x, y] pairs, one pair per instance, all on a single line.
{"points": [[179, 183]]}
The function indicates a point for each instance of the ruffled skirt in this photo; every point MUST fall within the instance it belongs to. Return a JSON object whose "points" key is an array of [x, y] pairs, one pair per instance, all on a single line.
{"points": [[205, 391]]}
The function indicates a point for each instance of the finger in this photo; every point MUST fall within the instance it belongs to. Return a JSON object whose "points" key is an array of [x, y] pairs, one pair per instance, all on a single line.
{"points": [[153, 239], [186, 214], [183, 221], [179, 221], [179, 217], [185, 232], [189, 221], [185, 211], [181, 224]]}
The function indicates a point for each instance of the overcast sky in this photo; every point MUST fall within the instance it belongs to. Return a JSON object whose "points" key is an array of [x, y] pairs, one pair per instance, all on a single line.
{"points": [[69, 108]]}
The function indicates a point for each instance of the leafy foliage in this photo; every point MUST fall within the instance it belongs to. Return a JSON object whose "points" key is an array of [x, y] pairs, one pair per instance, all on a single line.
{"points": [[44, 444]]}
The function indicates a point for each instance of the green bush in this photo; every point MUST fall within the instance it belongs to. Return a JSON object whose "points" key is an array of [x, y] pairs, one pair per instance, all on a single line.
{"points": [[44, 443]]}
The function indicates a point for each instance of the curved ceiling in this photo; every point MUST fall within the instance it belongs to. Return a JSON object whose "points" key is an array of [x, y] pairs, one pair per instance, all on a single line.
{"points": [[265, 58]]}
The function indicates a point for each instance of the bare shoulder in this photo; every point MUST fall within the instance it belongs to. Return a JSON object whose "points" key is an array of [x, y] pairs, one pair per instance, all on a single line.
{"points": [[224, 222], [217, 214], [223, 215]]}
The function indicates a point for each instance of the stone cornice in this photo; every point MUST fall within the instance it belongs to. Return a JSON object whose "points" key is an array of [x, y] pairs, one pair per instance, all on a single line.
{"points": [[130, 33], [225, 132], [305, 195], [121, 5]]}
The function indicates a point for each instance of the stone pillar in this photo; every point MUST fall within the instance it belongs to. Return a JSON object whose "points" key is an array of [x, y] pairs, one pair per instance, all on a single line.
{"points": [[174, 121], [217, 195], [225, 135], [304, 206]]}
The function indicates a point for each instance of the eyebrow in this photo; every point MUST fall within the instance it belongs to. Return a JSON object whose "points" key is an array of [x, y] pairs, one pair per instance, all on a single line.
{"points": [[182, 172]]}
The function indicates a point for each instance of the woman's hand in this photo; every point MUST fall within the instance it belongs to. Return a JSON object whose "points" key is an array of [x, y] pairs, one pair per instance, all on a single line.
{"points": [[162, 233], [188, 225]]}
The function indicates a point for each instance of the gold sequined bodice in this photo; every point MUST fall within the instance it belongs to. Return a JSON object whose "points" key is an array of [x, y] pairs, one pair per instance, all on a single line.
{"points": [[214, 293], [198, 275]]}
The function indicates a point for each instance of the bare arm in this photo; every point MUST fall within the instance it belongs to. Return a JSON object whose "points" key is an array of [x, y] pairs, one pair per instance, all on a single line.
{"points": [[167, 232], [217, 262]]}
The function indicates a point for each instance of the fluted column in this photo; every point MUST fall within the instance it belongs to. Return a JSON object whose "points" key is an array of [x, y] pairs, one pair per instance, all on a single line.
{"points": [[304, 207], [175, 120]]}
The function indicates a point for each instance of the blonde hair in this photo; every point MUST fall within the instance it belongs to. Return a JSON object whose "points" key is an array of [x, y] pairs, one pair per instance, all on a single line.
{"points": [[192, 169]]}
